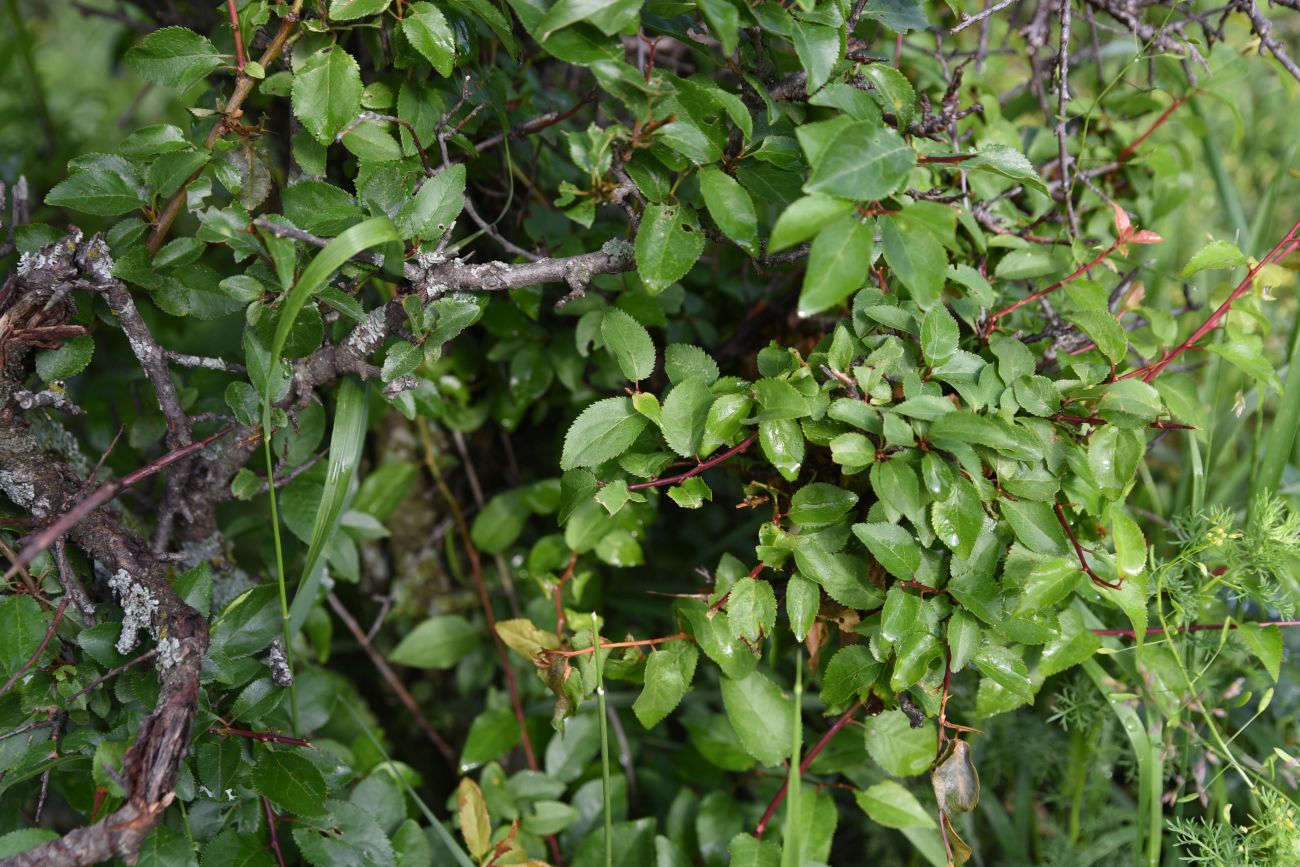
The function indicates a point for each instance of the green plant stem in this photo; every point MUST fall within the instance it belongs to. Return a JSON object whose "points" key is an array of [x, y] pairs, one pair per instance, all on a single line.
{"points": [[1282, 435], [279, 572], [604, 744], [791, 839]]}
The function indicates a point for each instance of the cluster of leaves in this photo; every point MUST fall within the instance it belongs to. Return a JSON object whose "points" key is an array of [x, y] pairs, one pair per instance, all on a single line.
{"points": [[792, 285]]}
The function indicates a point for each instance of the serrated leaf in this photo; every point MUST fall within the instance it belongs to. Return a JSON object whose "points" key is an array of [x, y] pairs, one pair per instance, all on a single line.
{"points": [[730, 207], [601, 433], [685, 412], [851, 672], [761, 716], [1214, 255], [629, 342], [174, 57], [439, 642], [863, 162], [751, 605], [327, 93], [892, 547], [668, 243], [291, 782], [429, 33], [350, 10], [837, 264], [893, 806], [669, 671]]}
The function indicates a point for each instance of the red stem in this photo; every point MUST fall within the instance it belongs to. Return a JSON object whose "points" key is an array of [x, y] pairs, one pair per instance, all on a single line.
{"points": [[803, 765], [606, 645], [1285, 246], [263, 737], [559, 593], [1034, 296], [239, 60], [49, 633], [1128, 152], [1078, 550], [1195, 627], [275, 840], [695, 471]]}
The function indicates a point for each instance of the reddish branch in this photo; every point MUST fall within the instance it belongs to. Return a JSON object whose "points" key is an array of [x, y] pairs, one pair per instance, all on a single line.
{"points": [[1098, 420], [270, 822], [45, 642], [243, 87], [1196, 627], [1131, 149], [1283, 248], [606, 645], [1078, 550], [239, 37], [1034, 296], [831, 732], [261, 737], [99, 497], [696, 470]]}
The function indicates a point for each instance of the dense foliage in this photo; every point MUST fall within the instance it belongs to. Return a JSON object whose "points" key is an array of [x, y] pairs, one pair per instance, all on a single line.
{"points": [[489, 433]]}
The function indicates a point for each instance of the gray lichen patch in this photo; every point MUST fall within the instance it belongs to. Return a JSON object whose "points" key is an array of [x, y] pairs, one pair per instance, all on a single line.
{"points": [[138, 609], [168, 652], [278, 661]]}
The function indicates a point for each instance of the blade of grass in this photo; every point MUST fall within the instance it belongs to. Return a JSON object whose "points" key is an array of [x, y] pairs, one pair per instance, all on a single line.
{"points": [[444, 836], [1281, 439], [360, 237], [604, 744], [791, 838], [346, 441]]}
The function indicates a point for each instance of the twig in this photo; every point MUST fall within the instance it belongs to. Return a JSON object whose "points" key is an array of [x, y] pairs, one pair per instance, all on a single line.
{"points": [[243, 87], [606, 645], [1196, 627], [393, 681], [980, 16], [696, 470], [102, 495], [270, 814], [1080, 553], [109, 675], [1281, 250], [45, 642], [239, 46], [271, 737], [1034, 296], [1062, 98], [803, 765]]}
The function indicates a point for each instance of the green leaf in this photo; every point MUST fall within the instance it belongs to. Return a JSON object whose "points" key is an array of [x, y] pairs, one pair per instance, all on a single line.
{"points": [[1129, 403], [668, 674], [893, 91], [601, 433], [100, 184], [430, 213], [682, 361], [897, 486], [67, 361], [837, 264], [939, 335], [629, 343], [350, 10], [783, 446], [685, 412], [492, 734], [1213, 256], [751, 605], [851, 672], [1003, 666], [898, 748], [761, 716], [1265, 642], [1000, 159], [820, 503], [668, 243], [805, 218], [958, 519], [430, 34], [916, 257], [892, 547], [863, 162], [174, 57], [1048, 583], [748, 851], [327, 92], [439, 642], [730, 207], [23, 625], [900, 16], [231, 848], [1105, 331], [291, 782], [893, 806], [779, 400], [354, 837], [1035, 525], [802, 602], [819, 48], [1075, 643], [901, 615], [842, 576], [1130, 546], [713, 635]]}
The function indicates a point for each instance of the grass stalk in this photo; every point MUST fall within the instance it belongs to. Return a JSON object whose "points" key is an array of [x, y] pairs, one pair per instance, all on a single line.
{"points": [[606, 789]]}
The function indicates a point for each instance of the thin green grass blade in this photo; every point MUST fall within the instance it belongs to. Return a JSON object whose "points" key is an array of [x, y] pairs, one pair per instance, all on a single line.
{"points": [[444, 836], [604, 744], [791, 836], [346, 441], [1281, 439], [360, 237]]}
